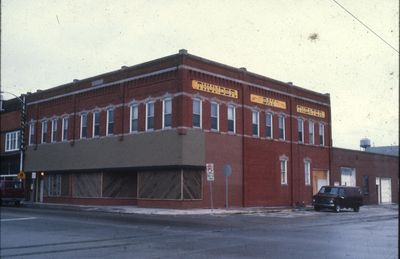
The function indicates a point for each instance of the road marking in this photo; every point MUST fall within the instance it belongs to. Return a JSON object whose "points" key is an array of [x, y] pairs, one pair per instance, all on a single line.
{"points": [[17, 219]]}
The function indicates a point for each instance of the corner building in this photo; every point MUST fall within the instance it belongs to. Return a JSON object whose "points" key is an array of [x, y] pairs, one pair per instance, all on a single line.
{"points": [[144, 134]]}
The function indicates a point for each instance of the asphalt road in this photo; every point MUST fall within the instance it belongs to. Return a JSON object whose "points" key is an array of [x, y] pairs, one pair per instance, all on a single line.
{"points": [[55, 233]]}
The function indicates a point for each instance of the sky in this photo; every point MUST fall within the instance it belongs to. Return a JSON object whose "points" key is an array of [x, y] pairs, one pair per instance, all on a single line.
{"points": [[315, 44]]}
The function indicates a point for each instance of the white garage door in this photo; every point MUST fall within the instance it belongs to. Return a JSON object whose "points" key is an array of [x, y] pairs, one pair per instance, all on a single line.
{"points": [[386, 188]]}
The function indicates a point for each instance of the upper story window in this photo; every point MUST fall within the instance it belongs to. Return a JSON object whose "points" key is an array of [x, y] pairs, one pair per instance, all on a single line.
{"points": [[196, 119], [84, 125], [281, 125], [64, 133], [110, 122], [311, 132], [134, 118], [54, 130], [254, 123], [231, 119], [167, 113], [150, 116], [321, 134], [268, 125], [283, 162], [31, 133], [307, 172], [12, 141], [300, 130], [96, 123], [214, 116], [44, 131]]}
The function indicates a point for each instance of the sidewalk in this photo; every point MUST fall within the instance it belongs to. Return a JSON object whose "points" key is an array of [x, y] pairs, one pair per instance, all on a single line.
{"points": [[162, 211]]}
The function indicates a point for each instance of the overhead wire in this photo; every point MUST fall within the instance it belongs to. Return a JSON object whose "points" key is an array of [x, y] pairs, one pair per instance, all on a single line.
{"points": [[366, 26]]}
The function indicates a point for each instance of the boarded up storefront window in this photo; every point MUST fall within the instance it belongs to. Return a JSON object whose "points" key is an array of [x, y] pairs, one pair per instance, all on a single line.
{"points": [[168, 185], [121, 185], [192, 185], [86, 185], [160, 185]]}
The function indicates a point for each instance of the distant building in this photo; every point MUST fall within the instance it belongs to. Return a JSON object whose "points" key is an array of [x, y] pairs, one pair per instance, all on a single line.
{"points": [[385, 150]]}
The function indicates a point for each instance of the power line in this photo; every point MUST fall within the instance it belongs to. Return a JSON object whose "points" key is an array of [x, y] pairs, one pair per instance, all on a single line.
{"points": [[366, 26]]}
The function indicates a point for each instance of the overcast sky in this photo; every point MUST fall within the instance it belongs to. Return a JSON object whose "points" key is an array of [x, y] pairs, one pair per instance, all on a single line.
{"points": [[313, 43]]}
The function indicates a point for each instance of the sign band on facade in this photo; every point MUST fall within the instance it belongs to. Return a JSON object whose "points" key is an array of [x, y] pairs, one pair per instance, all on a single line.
{"points": [[267, 101], [215, 89], [310, 111]]}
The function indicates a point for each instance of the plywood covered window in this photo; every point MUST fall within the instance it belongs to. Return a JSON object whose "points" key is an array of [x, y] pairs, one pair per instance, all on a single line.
{"points": [[86, 185], [119, 184], [170, 185]]}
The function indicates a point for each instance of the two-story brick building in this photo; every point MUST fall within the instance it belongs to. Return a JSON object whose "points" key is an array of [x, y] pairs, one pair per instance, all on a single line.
{"points": [[144, 134]]}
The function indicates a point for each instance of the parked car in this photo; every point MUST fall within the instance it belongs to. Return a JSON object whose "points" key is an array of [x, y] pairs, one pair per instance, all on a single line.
{"points": [[338, 197], [11, 190]]}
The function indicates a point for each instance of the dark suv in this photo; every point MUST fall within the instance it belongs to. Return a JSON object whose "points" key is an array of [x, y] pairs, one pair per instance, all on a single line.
{"points": [[338, 197]]}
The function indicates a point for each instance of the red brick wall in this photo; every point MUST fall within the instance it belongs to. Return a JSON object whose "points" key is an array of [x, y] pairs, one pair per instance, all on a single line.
{"points": [[367, 164]]}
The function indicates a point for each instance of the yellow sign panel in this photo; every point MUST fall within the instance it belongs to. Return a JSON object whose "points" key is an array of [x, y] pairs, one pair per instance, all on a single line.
{"points": [[215, 89], [310, 111], [267, 101]]}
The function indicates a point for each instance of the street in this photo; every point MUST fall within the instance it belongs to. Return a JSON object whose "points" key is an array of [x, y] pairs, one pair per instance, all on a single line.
{"points": [[50, 233]]}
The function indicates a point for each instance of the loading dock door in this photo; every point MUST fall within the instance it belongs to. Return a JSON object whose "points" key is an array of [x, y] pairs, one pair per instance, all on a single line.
{"points": [[386, 190], [319, 178]]}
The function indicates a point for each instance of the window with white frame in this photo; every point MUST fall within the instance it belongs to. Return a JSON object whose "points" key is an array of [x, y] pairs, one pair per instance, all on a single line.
{"points": [[348, 176], [96, 123], [196, 118], [283, 167], [31, 133], [54, 130], [311, 132], [307, 172], [150, 116], [64, 133], [134, 118], [44, 131], [12, 141], [321, 134], [83, 125], [281, 125], [254, 123], [300, 130], [167, 113], [231, 119], [214, 116], [268, 125], [110, 122]]}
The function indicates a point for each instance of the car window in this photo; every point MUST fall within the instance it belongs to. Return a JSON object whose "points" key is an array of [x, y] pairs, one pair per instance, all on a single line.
{"points": [[329, 190], [341, 192]]}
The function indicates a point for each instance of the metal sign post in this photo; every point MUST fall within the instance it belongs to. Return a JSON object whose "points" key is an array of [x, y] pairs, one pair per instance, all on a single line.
{"points": [[227, 173], [210, 179]]}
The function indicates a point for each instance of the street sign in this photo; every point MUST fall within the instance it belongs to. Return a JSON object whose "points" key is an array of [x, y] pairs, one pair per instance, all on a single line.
{"points": [[210, 172], [227, 170]]}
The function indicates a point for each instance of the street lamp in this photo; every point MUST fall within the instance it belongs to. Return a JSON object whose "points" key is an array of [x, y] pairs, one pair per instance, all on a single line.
{"points": [[22, 101]]}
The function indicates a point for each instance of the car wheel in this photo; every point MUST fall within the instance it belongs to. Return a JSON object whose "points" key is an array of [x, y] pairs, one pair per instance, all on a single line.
{"points": [[316, 208], [356, 209], [337, 208]]}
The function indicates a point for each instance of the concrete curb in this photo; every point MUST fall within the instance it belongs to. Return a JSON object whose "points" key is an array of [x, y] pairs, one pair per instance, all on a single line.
{"points": [[160, 211]]}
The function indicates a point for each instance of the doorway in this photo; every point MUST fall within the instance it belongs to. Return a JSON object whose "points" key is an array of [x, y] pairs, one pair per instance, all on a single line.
{"points": [[320, 178]]}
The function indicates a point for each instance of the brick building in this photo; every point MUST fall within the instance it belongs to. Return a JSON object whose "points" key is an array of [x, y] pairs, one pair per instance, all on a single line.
{"points": [[10, 125], [376, 174], [144, 134]]}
